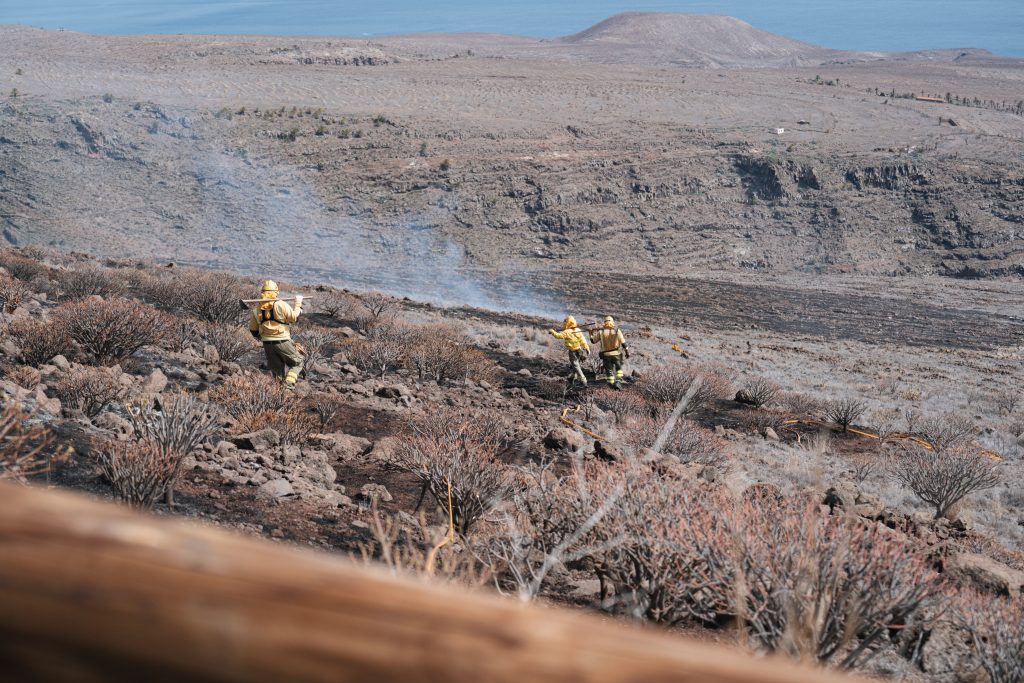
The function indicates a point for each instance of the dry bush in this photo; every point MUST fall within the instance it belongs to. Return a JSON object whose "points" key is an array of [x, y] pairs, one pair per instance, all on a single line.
{"points": [[550, 521], [179, 425], [947, 431], [1007, 402], [325, 407], [884, 424], [229, 340], [623, 404], [111, 330], [24, 376], [338, 305], [22, 267], [179, 332], [211, 296], [316, 344], [12, 293], [862, 466], [668, 384], [460, 449], [942, 478], [23, 447], [802, 405], [89, 390], [844, 411], [687, 441], [827, 588], [996, 628], [139, 472], [759, 421], [378, 305], [257, 402], [383, 348], [760, 392], [89, 281], [157, 287], [40, 341]]}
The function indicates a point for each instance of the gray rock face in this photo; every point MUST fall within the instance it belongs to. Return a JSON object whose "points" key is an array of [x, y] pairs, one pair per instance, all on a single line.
{"points": [[375, 492], [155, 383], [985, 574], [276, 488]]}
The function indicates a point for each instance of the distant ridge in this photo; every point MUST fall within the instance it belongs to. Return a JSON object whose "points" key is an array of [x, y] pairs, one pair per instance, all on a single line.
{"points": [[699, 39]]}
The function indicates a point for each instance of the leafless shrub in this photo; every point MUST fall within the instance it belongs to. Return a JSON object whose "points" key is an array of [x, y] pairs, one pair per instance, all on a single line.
{"points": [[442, 353], [761, 392], [89, 390], [911, 418], [229, 340], [325, 407], [1008, 402], [759, 421], [383, 348], [292, 423], [996, 628], [687, 441], [139, 472], [12, 293], [884, 423], [23, 447], [802, 405], [336, 304], [550, 521], [316, 342], [211, 296], [668, 384], [862, 467], [91, 280], [378, 305], [24, 376], [111, 330], [947, 431], [459, 449], [623, 404], [943, 477], [179, 332], [22, 267], [179, 425], [160, 288], [249, 394], [39, 341], [844, 411]]}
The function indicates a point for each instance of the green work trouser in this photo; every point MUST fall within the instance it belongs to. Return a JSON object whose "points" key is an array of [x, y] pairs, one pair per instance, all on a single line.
{"points": [[283, 360], [612, 366], [576, 359]]}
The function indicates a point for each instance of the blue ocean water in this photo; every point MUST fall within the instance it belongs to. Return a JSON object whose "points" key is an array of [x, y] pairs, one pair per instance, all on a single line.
{"points": [[996, 25]]}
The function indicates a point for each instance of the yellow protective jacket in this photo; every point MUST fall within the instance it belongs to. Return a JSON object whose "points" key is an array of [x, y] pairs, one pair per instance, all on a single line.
{"points": [[271, 321], [611, 340], [573, 338]]}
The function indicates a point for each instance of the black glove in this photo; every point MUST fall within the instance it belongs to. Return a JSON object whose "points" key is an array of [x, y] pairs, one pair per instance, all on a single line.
{"points": [[625, 350], [255, 334]]}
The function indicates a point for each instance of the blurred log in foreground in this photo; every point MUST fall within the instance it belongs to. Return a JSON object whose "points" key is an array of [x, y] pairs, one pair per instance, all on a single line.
{"points": [[92, 592]]}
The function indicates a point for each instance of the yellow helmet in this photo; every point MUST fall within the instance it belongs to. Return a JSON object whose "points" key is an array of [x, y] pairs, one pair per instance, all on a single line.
{"points": [[609, 322], [269, 290], [569, 322]]}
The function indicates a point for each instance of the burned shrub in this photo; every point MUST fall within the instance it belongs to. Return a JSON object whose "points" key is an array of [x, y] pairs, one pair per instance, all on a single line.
{"points": [[12, 293], [669, 384], [844, 411], [24, 448], [996, 628], [89, 281], [802, 405], [460, 450], [24, 376], [230, 341], [89, 390], [759, 392], [623, 404], [337, 305], [316, 343], [943, 477], [139, 472], [39, 341], [212, 297], [256, 402], [687, 441], [947, 431], [110, 330], [441, 353], [23, 267], [179, 425], [760, 421], [383, 348]]}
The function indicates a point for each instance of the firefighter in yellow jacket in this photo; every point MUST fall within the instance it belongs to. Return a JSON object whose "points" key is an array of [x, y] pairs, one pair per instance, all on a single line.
{"points": [[270, 322], [576, 344], [612, 349]]}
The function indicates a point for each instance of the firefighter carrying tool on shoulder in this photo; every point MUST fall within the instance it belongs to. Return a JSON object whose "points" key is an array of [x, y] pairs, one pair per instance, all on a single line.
{"points": [[270, 322], [612, 349], [576, 344]]}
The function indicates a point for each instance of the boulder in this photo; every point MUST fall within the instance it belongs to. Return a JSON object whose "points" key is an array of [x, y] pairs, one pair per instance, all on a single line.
{"points": [[384, 450], [61, 362], [289, 454], [375, 492], [210, 354], [770, 434], [345, 446], [46, 404], [155, 383], [258, 441], [112, 422], [984, 574], [393, 391], [276, 488], [607, 450], [524, 372], [564, 439], [317, 472]]}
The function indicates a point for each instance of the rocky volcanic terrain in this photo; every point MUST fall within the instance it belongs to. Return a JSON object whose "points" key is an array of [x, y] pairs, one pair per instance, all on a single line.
{"points": [[766, 215]]}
